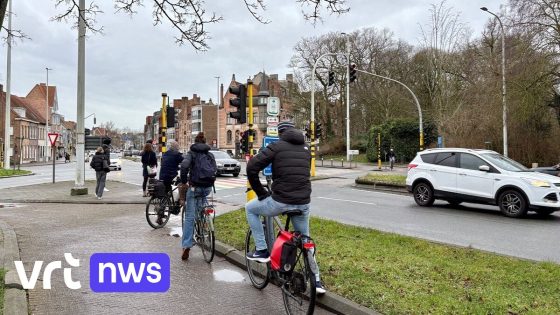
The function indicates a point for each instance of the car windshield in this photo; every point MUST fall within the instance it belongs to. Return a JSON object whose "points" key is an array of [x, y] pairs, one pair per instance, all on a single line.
{"points": [[504, 162], [220, 155], [114, 156]]}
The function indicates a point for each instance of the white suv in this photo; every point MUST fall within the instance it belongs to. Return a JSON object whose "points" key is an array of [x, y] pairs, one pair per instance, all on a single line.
{"points": [[481, 176]]}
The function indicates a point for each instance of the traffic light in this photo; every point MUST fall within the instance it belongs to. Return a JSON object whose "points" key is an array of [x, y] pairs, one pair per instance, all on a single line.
{"points": [[240, 101], [308, 131], [331, 78], [352, 72], [244, 143], [170, 117], [87, 131], [318, 130]]}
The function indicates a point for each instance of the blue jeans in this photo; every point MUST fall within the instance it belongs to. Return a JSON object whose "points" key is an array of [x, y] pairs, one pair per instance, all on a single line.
{"points": [[269, 208], [192, 205]]}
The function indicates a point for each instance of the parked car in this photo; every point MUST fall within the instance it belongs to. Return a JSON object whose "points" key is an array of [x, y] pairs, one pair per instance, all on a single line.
{"points": [[225, 164], [481, 176], [127, 153], [550, 170], [116, 163]]}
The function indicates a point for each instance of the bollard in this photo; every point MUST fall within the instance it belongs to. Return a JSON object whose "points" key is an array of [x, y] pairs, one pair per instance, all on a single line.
{"points": [[342, 161], [331, 162], [321, 161]]}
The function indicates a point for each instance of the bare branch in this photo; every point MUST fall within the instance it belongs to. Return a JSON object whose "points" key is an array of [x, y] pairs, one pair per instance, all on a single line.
{"points": [[332, 6], [72, 13], [127, 6], [254, 7], [15, 34]]}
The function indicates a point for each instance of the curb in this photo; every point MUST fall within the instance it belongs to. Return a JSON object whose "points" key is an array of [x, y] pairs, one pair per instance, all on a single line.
{"points": [[17, 175], [330, 301], [15, 298]]}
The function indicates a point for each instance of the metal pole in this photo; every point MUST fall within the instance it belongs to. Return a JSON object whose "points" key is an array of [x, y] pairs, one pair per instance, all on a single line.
{"points": [[348, 99], [47, 117], [218, 115], [164, 123], [250, 192], [80, 141], [8, 92], [420, 126], [504, 106], [53, 147]]}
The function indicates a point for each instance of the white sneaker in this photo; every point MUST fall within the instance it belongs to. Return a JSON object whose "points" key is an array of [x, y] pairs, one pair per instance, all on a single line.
{"points": [[105, 189], [319, 288], [98, 198]]}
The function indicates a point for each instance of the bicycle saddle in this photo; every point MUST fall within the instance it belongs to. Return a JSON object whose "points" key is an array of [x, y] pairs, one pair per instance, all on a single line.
{"points": [[292, 212]]}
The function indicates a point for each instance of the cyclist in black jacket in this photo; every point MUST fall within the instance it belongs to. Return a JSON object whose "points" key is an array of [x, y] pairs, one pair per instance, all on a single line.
{"points": [[291, 188]]}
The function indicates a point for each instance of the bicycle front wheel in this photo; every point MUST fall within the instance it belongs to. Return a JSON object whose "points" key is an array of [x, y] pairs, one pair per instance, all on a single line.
{"points": [[205, 229], [157, 212], [298, 290], [259, 273]]}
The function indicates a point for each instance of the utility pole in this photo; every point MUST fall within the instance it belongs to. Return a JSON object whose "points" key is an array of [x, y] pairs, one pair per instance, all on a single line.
{"points": [[250, 193], [47, 117], [163, 123], [8, 92], [79, 188], [218, 115]]}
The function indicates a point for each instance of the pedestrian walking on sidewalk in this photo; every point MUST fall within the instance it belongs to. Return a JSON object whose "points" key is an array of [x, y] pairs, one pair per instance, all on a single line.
{"points": [[100, 163], [392, 158], [149, 163]]}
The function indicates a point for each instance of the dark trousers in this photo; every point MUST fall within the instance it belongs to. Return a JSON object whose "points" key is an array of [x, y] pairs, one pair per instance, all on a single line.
{"points": [[145, 183], [101, 177]]}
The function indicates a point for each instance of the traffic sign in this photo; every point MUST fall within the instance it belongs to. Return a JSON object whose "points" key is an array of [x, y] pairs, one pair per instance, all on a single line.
{"points": [[354, 152], [266, 141], [272, 120], [272, 131], [273, 105], [52, 138]]}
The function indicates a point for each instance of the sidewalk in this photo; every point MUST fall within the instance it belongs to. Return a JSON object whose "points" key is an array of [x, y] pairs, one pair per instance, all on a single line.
{"points": [[49, 222]]}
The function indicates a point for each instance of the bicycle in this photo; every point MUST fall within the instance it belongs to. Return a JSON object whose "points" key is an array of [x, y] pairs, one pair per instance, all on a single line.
{"points": [[203, 226], [161, 204], [297, 278]]}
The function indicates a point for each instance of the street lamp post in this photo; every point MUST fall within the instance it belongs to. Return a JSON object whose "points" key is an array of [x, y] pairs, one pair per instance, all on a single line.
{"points": [[47, 117], [218, 115], [504, 114], [8, 91]]}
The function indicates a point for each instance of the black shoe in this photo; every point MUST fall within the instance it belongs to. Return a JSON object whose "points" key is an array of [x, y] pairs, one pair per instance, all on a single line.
{"points": [[259, 255]]}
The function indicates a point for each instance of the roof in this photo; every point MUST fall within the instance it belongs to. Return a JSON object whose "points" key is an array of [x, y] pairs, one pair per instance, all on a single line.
{"points": [[69, 124], [30, 111], [458, 150]]}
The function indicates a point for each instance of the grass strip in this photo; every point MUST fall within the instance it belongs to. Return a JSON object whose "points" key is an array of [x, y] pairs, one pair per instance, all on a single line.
{"points": [[360, 158], [396, 274], [387, 179], [9, 172]]}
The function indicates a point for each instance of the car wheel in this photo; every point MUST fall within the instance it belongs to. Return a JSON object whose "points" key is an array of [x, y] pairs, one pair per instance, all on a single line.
{"points": [[512, 204], [235, 174], [544, 212], [423, 194]]}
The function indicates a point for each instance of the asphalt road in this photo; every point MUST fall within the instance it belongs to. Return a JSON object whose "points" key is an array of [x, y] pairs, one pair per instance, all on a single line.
{"points": [[481, 227]]}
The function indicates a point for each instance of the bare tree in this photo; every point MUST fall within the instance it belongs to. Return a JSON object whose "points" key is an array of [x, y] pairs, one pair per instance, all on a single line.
{"points": [[188, 17]]}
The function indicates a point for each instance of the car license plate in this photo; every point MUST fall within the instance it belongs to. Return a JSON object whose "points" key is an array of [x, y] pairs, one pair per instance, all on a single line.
{"points": [[229, 168]]}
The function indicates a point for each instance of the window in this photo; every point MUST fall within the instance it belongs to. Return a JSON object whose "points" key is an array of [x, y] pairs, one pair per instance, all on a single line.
{"points": [[428, 158], [446, 159], [470, 162], [229, 137]]}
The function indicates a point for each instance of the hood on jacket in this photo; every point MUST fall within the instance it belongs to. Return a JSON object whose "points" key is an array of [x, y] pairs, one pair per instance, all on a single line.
{"points": [[200, 147], [293, 135]]}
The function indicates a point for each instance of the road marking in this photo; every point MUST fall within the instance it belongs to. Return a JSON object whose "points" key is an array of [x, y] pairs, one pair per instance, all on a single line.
{"points": [[366, 203]]}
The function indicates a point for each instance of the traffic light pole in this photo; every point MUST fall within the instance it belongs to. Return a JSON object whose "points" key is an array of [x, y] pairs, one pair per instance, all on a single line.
{"points": [[420, 127], [250, 193], [312, 123], [163, 123]]}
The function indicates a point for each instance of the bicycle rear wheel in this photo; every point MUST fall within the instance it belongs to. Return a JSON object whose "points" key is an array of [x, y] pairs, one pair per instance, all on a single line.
{"points": [[157, 212], [298, 290], [259, 273], [205, 230]]}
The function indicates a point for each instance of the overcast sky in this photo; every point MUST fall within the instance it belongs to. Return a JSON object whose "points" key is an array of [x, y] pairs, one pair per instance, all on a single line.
{"points": [[129, 66]]}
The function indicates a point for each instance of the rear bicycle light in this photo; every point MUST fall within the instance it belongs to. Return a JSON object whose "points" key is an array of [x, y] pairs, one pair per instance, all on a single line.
{"points": [[309, 245], [209, 211]]}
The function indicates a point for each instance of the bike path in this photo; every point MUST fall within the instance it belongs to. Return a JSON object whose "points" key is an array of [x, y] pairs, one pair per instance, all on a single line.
{"points": [[47, 231]]}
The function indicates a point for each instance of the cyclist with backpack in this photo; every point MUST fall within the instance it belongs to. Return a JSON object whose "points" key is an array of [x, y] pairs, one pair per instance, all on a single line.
{"points": [[201, 166], [291, 188]]}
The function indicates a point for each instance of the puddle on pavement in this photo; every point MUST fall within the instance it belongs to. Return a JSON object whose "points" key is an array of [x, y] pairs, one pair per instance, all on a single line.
{"points": [[176, 231], [226, 275]]}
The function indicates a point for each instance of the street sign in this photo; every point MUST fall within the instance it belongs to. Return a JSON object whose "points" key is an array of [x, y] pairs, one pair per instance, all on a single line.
{"points": [[272, 131], [272, 120], [354, 152], [266, 141], [273, 105], [52, 138]]}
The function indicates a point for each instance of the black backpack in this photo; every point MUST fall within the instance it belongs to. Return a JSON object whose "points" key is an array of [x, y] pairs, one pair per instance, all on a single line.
{"points": [[203, 170]]}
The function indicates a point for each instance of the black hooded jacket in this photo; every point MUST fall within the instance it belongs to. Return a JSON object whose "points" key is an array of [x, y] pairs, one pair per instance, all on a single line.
{"points": [[186, 164], [291, 165]]}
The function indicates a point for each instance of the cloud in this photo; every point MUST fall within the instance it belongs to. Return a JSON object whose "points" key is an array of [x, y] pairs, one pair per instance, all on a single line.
{"points": [[129, 67]]}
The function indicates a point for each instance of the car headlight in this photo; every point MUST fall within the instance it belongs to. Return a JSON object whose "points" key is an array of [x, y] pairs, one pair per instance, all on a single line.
{"points": [[219, 164], [537, 183]]}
